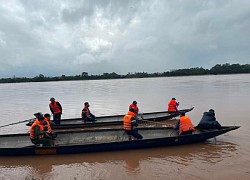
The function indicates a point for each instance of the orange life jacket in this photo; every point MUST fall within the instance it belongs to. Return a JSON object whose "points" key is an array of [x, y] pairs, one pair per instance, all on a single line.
{"points": [[87, 111], [55, 107], [172, 106], [127, 122], [32, 131], [48, 124], [185, 125], [135, 107]]}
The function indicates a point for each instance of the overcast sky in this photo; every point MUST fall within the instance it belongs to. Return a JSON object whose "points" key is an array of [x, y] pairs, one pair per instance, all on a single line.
{"points": [[68, 37]]}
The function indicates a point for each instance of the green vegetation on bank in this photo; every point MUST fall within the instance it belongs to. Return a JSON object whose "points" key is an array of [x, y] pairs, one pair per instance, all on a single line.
{"points": [[217, 69]]}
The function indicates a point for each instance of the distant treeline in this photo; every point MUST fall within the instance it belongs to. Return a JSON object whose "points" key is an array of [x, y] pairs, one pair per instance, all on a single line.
{"points": [[217, 69]]}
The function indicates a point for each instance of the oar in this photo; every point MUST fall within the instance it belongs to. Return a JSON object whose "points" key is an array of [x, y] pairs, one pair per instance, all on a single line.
{"points": [[15, 123]]}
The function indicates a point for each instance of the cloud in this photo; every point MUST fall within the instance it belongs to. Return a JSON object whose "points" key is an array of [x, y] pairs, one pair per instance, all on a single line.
{"points": [[69, 37]]}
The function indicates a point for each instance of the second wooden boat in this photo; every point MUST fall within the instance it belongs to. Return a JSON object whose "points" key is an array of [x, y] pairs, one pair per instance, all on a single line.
{"points": [[114, 120]]}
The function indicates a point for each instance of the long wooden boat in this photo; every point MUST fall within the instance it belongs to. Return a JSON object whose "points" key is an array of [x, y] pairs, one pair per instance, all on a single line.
{"points": [[85, 141], [114, 120]]}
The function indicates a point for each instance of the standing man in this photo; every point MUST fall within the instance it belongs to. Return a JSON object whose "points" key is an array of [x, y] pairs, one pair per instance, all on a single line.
{"points": [[56, 110], [86, 114], [129, 122], [135, 107], [172, 105], [184, 125]]}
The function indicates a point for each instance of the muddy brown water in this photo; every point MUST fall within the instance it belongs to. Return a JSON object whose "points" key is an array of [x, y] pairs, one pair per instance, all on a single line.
{"points": [[226, 157]]}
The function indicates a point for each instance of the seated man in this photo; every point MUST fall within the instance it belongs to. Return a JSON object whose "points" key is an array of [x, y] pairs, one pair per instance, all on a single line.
{"points": [[208, 121], [129, 122], [134, 106], [86, 114], [37, 133], [184, 125], [173, 105]]}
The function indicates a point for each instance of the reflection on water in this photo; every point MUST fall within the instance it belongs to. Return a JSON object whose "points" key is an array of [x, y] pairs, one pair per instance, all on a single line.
{"points": [[122, 164]]}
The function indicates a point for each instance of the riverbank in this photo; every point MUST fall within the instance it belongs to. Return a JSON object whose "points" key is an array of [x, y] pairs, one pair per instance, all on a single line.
{"points": [[216, 70]]}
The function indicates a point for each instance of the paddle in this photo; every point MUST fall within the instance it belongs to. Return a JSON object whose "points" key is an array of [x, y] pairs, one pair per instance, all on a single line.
{"points": [[27, 120]]}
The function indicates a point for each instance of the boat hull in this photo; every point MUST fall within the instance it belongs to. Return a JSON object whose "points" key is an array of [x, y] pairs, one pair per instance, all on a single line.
{"points": [[105, 140]]}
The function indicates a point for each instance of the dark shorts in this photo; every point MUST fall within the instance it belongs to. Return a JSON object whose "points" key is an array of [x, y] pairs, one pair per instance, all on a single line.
{"points": [[91, 118], [134, 133], [57, 118], [187, 132], [44, 141]]}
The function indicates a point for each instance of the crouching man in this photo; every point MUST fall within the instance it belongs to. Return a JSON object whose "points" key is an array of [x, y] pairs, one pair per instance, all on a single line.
{"points": [[184, 125], [129, 124], [38, 135], [208, 121]]}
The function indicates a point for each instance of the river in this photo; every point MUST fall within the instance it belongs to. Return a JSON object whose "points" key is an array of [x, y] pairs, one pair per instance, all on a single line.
{"points": [[226, 157]]}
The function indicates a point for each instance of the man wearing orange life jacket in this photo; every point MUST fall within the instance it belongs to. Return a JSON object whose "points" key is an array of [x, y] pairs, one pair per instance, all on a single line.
{"points": [[184, 125], [37, 133], [47, 126], [172, 105], [56, 110], [134, 106], [129, 122], [86, 114]]}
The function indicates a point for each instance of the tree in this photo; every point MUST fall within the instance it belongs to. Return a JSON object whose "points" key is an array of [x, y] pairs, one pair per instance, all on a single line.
{"points": [[41, 76], [85, 74]]}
